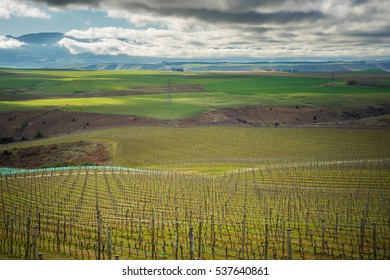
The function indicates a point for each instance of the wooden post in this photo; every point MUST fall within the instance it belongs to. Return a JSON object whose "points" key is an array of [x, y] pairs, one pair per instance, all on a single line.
{"points": [[323, 237], [34, 242], [212, 229], [307, 224], [192, 243], [266, 242], [127, 219], [64, 228], [109, 243], [139, 232], [58, 236], [39, 223], [177, 241], [99, 241], [153, 242], [243, 229], [362, 233], [11, 237], [163, 226], [337, 227], [27, 252], [289, 245], [200, 240], [374, 240], [283, 241]]}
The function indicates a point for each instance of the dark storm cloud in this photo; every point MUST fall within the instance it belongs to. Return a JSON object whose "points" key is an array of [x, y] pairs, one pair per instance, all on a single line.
{"points": [[247, 17], [383, 33], [224, 11], [359, 2], [60, 3]]}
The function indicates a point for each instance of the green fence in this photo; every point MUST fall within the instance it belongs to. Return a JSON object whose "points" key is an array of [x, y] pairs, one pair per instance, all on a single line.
{"points": [[15, 171]]}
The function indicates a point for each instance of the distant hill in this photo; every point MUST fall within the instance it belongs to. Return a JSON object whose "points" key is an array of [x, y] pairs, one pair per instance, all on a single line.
{"points": [[259, 66], [41, 38], [41, 50]]}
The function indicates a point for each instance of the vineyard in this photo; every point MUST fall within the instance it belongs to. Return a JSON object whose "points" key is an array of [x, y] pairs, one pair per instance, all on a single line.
{"points": [[322, 202]]}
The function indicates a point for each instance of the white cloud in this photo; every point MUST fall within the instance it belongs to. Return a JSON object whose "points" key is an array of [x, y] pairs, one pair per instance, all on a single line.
{"points": [[231, 28], [203, 44], [9, 43], [151, 42], [102, 47], [10, 8], [144, 20]]}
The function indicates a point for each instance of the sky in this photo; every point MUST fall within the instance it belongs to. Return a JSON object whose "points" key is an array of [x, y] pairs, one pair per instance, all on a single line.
{"points": [[335, 29]]}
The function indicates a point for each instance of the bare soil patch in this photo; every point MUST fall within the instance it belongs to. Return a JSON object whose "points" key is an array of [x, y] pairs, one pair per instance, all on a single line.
{"points": [[277, 116], [67, 154], [26, 124]]}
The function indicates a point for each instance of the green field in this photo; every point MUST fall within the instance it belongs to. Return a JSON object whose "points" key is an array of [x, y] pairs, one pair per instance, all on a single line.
{"points": [[69, 90], [213, 192], [218, 149]]}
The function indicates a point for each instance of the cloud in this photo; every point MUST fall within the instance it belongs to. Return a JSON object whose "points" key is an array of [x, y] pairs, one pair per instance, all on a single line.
{"points": [[150, 42], [61, 3], [219, 11], [254, 28], [199, 44], [10, 8], [101, 47], [9, 43]]}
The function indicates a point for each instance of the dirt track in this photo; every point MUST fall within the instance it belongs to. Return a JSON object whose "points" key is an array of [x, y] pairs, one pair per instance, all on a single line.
{"points": [[291, 116]]}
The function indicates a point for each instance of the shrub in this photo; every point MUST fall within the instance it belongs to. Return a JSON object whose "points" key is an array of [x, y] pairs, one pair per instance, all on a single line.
{"points": [[352, 83], [38, 135], [7, 153], [6, 140]]}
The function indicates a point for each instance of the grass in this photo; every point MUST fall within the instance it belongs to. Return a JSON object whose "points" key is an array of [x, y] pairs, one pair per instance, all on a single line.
{"points": [[184, 105], [221, 90], [220, 149]]}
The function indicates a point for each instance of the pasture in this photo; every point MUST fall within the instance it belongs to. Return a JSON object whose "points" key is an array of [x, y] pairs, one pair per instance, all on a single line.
{"points": [[122, 92]]}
